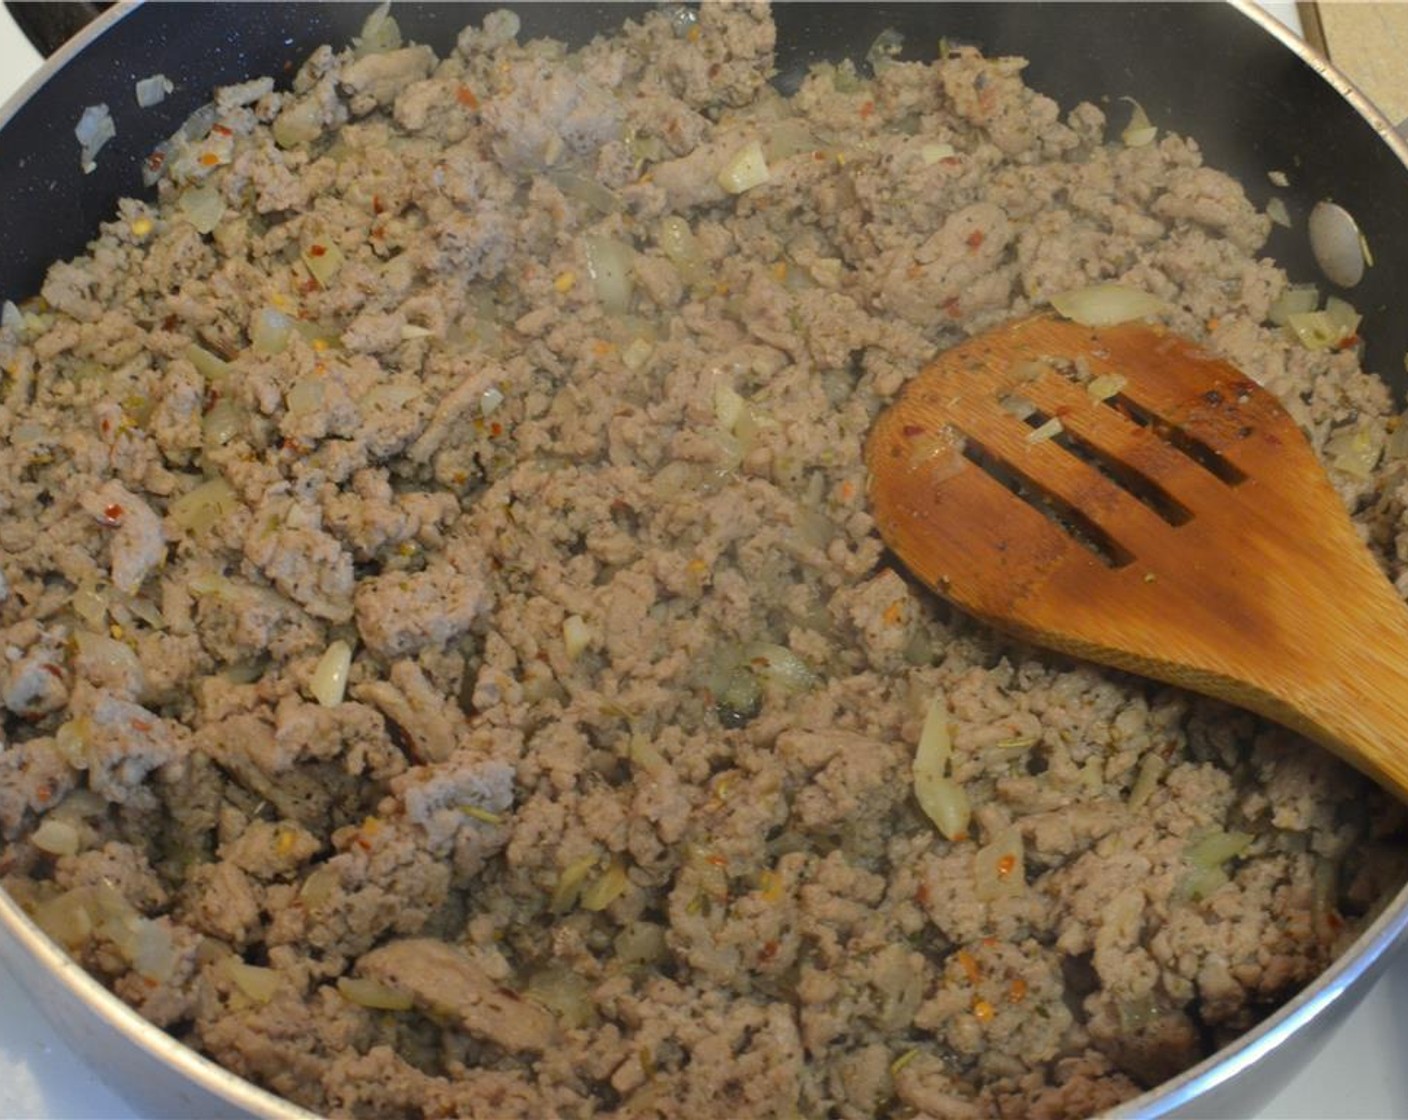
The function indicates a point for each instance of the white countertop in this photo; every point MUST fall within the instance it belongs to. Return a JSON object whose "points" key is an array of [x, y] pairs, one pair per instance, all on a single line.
{"points": [[1361, 1074]]}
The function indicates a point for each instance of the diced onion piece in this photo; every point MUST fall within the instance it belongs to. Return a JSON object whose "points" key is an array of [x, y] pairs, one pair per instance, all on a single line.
{"points": [[646, 754], [1296, 299], [151, 949], [1105, 386], [318, 887], [379, 31], [786, 138], [569, 883], [1277, 212], [934, 152], [66, 919], [214, 369], [611, 265], [153, 90], [728, 406], [98, 655], [223, 422], [328, 684], [1217, 847], [564, 992], [939, 453], [305, 396], [943, 800], [590, 191], [1355, 452], [999, 870], [935, 744], [1146, 780], [641, 943], [202, 206], [747, 168], [410, 332], [94, 129], [1279, 178], [1337, 244], [300, 123], [259, 984], [58, 838], [490, 400], [270, 331], [89, 606], [576, 636], [1048, 430], [72, 740], [1104, 305], [679, 244], [323, 259], [780, 665], [636, 353], [885, 49], [389, 396], [606, 888], [1140, 131], [1322, 330], [1202, 882], [373, 995]]}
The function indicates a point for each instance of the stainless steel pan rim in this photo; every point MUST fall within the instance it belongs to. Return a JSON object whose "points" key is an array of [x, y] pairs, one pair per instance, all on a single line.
{"points": [[51, 976]]}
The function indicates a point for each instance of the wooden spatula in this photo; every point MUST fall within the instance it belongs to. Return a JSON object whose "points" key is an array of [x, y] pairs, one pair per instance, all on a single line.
{"points": [[1121, 495]]}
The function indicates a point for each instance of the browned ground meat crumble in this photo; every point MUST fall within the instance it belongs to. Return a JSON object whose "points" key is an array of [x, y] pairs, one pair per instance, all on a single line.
{"points": [[499, 372]]}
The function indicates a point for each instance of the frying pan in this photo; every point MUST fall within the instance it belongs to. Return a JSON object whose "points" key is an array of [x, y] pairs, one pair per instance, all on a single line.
{"points": [[1252, 95]]}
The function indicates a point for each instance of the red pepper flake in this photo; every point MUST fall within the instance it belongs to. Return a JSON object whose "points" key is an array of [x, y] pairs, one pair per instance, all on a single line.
{"points": [[378, 207], [767, 952], [867, 110], [53, 670], [155, 160], [377, 233], [716, 860], [912, 431], [316, 250], [209, 159], [465, 96], [308, 286], [1017, 990], [496, 429], [221, 130], [112, 514], [1006, 865], [975, 239], [921, 894], [141, 726], [44, 794]]}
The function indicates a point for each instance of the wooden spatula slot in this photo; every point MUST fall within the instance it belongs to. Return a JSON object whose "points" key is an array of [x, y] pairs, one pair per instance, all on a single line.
{"points": [[1066, 518], [1178, 439], [1176, 525], [1137, 485]]}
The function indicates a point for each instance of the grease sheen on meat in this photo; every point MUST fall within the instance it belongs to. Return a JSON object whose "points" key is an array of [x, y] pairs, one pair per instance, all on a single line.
{"points": [[515, 372]]}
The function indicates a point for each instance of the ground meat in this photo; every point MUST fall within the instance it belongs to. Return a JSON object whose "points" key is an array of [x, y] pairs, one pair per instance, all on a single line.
{"points": [[449, 666]]}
